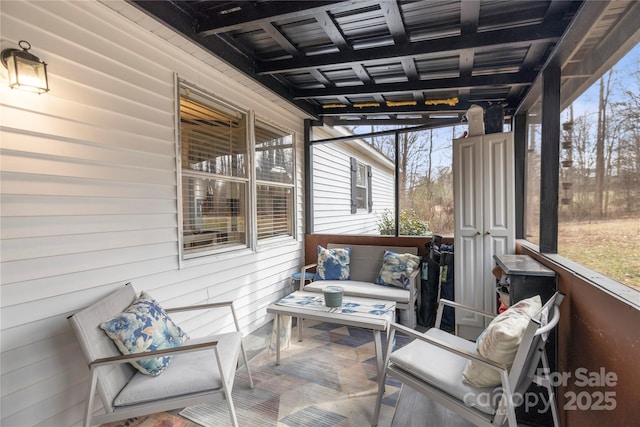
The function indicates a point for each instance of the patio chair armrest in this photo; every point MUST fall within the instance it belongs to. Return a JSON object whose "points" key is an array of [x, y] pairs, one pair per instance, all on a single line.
{"points": [[200, 306], [415, 296], [208, 306], [126, 358], [307, 267], [448, 347], [442, 302], [457, 305], [303, 273]]}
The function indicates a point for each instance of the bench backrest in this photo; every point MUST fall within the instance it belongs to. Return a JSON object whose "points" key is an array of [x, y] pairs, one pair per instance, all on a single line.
{"points": [[366, 260], [96, 344]]}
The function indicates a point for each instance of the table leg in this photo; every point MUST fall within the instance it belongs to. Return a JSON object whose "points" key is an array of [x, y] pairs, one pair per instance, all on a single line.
{"points": [[277, 339], [378, 347], [299, 329]]}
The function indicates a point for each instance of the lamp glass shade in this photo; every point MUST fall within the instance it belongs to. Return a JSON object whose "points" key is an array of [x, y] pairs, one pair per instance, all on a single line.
{"points": [[26, 73]]}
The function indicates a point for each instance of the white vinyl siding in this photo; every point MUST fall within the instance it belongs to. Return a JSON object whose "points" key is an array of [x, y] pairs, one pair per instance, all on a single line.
{"points": [[332, 187], [89, 194]]}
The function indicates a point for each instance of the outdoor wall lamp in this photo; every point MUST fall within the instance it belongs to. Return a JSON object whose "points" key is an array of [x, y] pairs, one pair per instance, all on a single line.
{"points": [[26, 71]]}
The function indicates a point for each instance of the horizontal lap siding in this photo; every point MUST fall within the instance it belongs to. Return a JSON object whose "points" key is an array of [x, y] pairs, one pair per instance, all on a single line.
{"points": [[332, 190], [89, 196]]}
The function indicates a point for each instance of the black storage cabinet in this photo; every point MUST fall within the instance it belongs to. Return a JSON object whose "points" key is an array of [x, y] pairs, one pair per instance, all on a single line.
{"points": [[528, 278]]}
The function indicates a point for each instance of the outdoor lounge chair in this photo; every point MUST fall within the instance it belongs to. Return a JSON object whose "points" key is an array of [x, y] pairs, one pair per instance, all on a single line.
{"points": [[434, 362], [199, 369]]}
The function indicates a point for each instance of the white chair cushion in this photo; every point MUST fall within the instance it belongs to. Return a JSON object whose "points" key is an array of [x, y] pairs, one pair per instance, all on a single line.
{"points": [[354, 288], [188, 373], [443, 369], [499, 342]]}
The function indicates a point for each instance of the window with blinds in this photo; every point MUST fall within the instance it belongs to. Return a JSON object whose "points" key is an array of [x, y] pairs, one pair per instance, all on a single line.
{"points": [[274, 181], [361, 187], [214, 155]]}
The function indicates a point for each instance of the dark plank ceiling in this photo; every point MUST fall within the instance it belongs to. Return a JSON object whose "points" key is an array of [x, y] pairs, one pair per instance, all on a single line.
{"points": [[385, 62]]}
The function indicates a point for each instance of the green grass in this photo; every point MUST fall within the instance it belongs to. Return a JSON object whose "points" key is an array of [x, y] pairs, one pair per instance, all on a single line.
{"points": [[608, 247]]}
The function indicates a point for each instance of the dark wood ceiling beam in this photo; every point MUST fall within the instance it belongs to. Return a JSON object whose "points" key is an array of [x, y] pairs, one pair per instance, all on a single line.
{"points": [[391, 13], [514, 94], [383, 109], [466, 60], [361, 72], [557, 10], [258, 13], [419, 126], [588, 14], [321, 78], [531, 60], [410, 70], [368, 121], [469, 16], [610, 50], [422, 85], [278, 37], [393, 17], [533, 56], [176, 18], [332, 31], [479, 42]]}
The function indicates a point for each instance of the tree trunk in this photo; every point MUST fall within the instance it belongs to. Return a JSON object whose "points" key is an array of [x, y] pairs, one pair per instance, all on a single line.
{"points": [[599, 184]]}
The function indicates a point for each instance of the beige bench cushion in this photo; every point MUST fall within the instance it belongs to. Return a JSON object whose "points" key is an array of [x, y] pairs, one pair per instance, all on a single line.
{"points": [[355, 288]]}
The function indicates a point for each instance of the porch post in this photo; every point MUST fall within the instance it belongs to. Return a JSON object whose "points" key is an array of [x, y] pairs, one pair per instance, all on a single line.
{"points": [[397, 183], [308, 176], [519, 125], [550, 159]]}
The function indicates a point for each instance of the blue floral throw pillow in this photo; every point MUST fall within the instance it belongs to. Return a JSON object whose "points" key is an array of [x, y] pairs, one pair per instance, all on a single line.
{"points": [[145, 326], [396, 269], [333, 264]]}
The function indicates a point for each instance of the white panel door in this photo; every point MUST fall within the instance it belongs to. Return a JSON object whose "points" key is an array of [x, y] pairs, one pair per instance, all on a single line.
{"points": [[499, 206], [468, 237], [484, 221]]}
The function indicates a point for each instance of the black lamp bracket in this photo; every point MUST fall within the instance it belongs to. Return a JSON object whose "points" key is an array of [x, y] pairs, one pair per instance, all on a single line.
{"points": [[25, 45]]}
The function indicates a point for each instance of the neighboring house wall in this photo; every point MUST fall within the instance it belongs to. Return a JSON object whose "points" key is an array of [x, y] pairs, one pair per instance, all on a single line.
{"points": [[332, 186], [89, 194]]}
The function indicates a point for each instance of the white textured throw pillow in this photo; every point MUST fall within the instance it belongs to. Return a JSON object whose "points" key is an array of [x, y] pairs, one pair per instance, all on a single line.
{"points": [[499, 342]]}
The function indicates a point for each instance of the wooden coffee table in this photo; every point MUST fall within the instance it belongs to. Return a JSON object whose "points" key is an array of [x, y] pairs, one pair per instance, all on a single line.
{"points": [[365, 313]]}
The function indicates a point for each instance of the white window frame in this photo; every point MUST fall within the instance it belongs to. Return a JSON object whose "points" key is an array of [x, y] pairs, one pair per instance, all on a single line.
{"points": [[355, 167], [250, 216], [291, 185]]}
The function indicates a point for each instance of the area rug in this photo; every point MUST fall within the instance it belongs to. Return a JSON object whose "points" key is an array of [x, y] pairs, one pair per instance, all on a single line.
{"points": [[161, 419], [327, 380]]}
